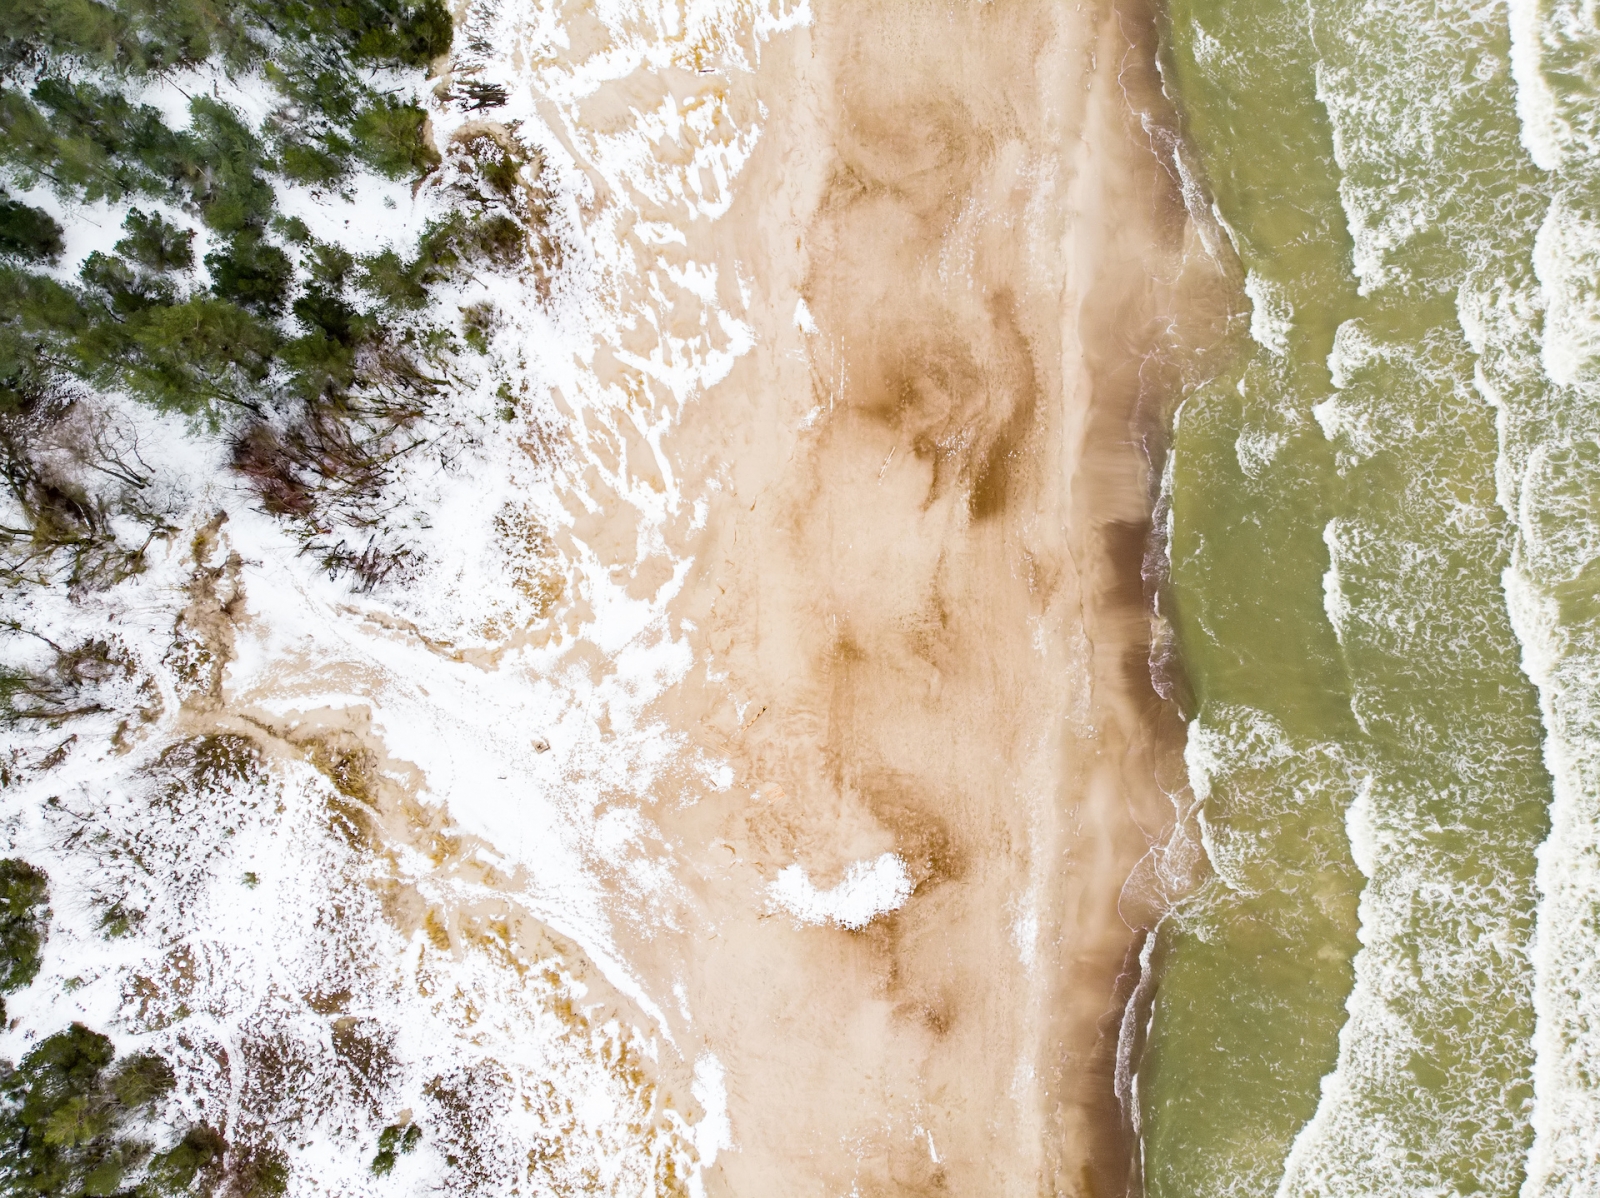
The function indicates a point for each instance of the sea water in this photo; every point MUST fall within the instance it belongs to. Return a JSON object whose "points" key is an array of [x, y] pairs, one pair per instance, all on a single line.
{"points": [[1384, 525]]}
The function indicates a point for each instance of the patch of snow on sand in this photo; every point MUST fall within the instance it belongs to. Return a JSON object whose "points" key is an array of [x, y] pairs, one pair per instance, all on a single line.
{"points": [[869, 889]]}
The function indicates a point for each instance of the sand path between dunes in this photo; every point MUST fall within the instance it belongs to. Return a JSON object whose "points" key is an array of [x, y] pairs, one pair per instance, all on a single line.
{"points": [[916, 605]]}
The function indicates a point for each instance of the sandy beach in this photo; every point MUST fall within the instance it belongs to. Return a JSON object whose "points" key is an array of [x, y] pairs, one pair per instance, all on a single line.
{"points": [[914, 610], [919, 621]]}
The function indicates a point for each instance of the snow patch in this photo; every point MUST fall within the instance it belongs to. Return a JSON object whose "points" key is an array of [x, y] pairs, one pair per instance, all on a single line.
{"points": [[869, 889]]}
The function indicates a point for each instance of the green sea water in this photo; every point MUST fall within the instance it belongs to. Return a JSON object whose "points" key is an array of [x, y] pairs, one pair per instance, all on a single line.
{"points": [[1383, 528]]}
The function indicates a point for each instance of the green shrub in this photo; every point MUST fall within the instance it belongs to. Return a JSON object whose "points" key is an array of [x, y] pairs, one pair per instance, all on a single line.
{"points": [[412, 35], [392, 281], [499, 170], [450, 246], [69, 1121], [312, 164], [176, 1170], [28, 233], [155, 243], [94, 141], [24, 921], [388, 137], [328, 266], [251, 272], [67, 1106], [139, 38], [35, 305], [192, 356], [330, 391], [125, 289], [222, 164], [394, 1140], [477, 326], [78, 27], [292, 229]]}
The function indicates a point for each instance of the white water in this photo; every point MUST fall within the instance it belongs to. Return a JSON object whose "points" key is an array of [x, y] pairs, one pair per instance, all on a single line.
{"points": [[1550, 479], [1440, 937]]}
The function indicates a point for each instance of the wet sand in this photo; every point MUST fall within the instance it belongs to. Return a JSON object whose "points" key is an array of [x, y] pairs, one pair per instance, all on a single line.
{"points": [[916, 607]]}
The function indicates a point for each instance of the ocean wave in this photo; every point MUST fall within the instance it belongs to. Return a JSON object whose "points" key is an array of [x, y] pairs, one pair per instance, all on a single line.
{"points": [[1551, 484]]}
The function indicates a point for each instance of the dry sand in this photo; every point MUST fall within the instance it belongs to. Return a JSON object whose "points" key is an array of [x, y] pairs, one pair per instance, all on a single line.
{"points": [[916, 608], [918, 611]]}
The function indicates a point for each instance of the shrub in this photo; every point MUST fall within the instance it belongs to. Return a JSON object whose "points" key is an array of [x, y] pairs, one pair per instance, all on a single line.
{"points": [[125, 289], [450, 246], [260, 1172], [388, 138], [138, 39], [192, 356], [311, 353], [477, 325], [57, 531], [222, 164], [24, 921], [68, 1105], [28, 233], [310, 163], [393, 282], [69, 1116], [413, 35], [251, 272], [176, 1170], [155, 243], [394, 1140]]}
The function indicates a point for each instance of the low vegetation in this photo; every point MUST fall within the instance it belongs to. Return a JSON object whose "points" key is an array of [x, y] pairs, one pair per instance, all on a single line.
{"points": [[24, 917], [394, 1141], [73, 1115], [316, 354], [321, 368]]}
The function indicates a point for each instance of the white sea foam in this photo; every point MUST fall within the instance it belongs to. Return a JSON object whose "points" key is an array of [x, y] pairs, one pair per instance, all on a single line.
{"points": [[1543, 131], [1550, 487], [1334, 602], [1567, 259], [1361, 831], [1271, 314], [1554, 47], [1208, 50], [1352, 418], [1229, 740], [1436, 937], [1255, 449], [1565, 1159]]}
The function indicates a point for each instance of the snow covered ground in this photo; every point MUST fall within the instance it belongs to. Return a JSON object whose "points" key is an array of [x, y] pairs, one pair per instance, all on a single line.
{"points": [[350, 859]]}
